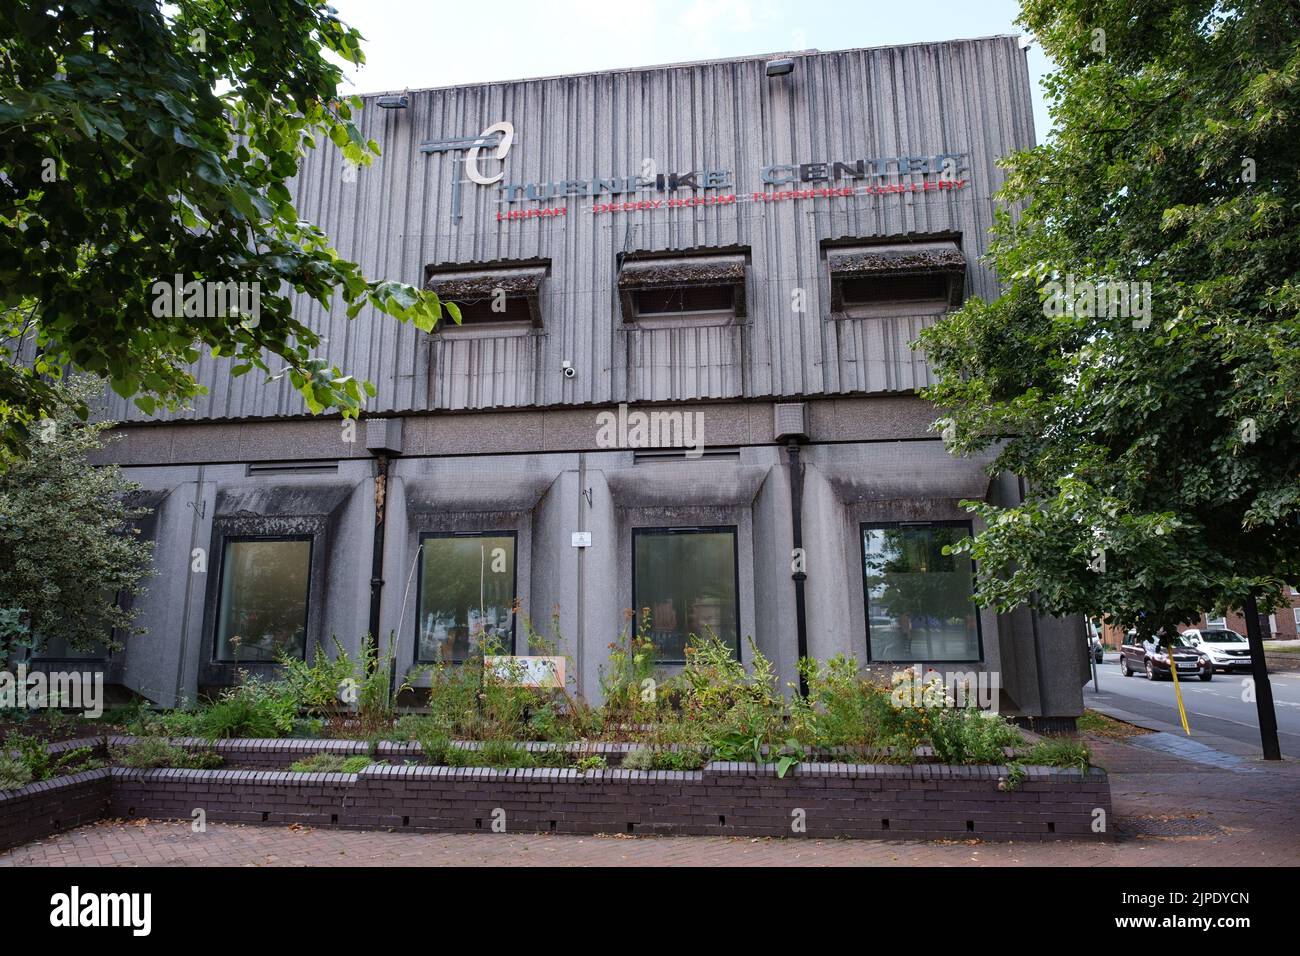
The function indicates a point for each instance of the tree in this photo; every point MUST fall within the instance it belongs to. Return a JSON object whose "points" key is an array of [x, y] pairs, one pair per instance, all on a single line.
{"points": [[71, 558], [140, 142], [1154, 418]]}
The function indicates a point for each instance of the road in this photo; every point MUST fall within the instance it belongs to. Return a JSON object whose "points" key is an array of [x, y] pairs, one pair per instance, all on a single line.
{"points": [[1213, 707]]}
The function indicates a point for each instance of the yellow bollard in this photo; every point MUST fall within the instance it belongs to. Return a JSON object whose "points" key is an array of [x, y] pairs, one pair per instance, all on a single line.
{"points": [[1178, 692]]}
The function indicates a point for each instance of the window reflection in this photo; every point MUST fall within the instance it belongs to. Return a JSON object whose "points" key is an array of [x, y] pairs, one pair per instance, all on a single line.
{"points": [[263, 604], [687, 581], [467, 595], [919, 600]]}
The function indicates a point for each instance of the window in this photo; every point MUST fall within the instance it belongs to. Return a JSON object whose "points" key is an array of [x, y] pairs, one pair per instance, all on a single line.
{"points": [[1295, 614], [292, 468], [685, 579], [262, 603], [912, 294], [665, 291], [920, 278], [466, 595], [1218, 622], [485, 311], [493, 297], [684, 301], [919, 600]]}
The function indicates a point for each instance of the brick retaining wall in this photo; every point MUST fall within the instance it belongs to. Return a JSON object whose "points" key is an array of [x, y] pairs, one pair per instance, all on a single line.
{"points": [[919, 801], [40, 809], [734, 799]]}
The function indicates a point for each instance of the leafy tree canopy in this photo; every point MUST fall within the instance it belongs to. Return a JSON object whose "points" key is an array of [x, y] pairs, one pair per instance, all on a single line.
{"points": [[1160, 448], [141, 140]]}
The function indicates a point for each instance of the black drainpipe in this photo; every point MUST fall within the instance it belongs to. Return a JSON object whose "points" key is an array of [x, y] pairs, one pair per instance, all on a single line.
{"points": [[377, 556], [799, 577]]}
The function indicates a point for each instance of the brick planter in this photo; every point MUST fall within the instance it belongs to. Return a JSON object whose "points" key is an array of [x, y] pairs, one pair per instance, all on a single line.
{"points": [[824, 800], [732, 799], [40, 809]]}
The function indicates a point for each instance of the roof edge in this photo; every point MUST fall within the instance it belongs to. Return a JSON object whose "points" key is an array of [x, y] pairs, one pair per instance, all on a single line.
{"points": [[692, 63]]}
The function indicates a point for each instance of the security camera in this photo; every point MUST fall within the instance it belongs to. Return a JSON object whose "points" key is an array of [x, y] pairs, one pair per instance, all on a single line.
{"points": [[567, 368]]}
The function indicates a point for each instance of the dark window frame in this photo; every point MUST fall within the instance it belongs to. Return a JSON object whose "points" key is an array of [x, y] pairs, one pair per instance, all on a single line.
{"points": [[513, 534], [733, 530], [863, 527], [226, 541], [724, 290], [532, 300], [478, 314]]}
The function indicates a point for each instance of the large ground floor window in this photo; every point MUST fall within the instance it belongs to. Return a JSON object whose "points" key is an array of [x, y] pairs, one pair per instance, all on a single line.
{"points": [[262, 604], [920, 603], [685, 580], [466, 595]]}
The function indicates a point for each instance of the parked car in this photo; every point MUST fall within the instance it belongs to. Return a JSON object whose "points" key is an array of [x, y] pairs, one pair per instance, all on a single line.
{"points": [[1228, 651], [1153, 659], [1098, 650]]}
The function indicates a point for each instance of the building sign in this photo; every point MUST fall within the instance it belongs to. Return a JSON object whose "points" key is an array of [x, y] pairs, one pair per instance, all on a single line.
{"points": [[501, 135], [695, 188]]}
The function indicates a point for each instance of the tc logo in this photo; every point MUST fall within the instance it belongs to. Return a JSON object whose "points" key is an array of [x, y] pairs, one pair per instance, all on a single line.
{"points": [[502, 135]]}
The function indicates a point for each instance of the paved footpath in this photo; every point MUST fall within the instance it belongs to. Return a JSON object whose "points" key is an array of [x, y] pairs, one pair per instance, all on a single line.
{"points": [[1170, 811]]}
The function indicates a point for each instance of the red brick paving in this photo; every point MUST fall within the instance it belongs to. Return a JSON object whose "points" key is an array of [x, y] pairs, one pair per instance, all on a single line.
{"points": [[1253, 818]]}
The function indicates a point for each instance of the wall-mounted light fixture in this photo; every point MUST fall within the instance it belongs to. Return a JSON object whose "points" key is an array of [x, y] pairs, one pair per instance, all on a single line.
{"points": [[394, 101], [780, 67]]}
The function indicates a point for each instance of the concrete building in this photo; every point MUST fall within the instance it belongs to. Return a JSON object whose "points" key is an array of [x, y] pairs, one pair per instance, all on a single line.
{"points": [[684, 383]]}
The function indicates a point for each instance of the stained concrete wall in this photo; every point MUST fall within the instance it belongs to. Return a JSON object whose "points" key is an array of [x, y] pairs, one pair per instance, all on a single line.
{"points": [[544, 496]]}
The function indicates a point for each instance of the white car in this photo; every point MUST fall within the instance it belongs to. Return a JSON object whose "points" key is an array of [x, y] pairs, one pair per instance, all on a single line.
{"points": [[1227, 650]]}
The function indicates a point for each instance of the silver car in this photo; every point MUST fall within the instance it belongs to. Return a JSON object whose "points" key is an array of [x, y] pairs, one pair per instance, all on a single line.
{"points": [[1227, 650]]}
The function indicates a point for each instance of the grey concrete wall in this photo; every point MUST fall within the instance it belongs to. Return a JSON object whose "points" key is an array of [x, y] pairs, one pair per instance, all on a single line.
{"points": [[544, 498], [177, 612]]}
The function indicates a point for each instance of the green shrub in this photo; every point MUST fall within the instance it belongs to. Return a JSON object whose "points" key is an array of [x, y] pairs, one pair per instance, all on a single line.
{"points": [[26, 758], [651, 758], [375, 689], [176, 723], [255, 708], [14, 773], [739, 711], [967, 735], [1058, 752], [504, 754], [591, 762], [628, 677], [316, 687], [841, 708], [142, 719], [433, 738], [308, 727], [151, 752], [330, 763]]}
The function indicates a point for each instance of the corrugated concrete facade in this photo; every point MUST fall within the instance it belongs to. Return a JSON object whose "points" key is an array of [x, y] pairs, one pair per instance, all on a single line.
{"points": [[395, 219], [496, 438]]}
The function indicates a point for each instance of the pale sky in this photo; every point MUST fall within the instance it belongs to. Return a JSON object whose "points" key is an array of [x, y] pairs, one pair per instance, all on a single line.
{"points": [[412, 44]]}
